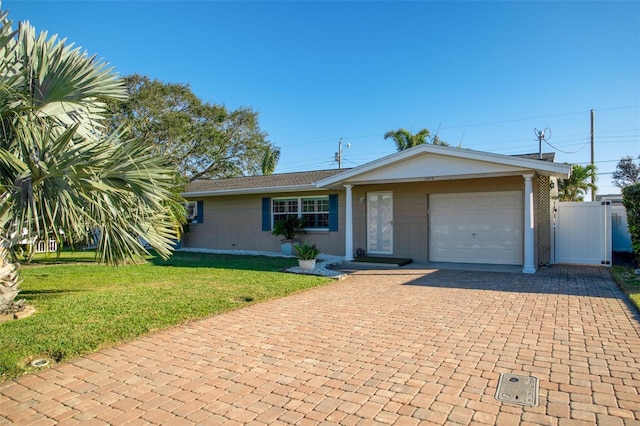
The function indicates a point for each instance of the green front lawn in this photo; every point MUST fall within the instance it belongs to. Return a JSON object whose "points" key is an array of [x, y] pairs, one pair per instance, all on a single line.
{"points": [[629, 282], [82, 307]]}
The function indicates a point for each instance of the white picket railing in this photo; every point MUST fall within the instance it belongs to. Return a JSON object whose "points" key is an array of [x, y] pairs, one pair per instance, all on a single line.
{"points": [[42, 246]]}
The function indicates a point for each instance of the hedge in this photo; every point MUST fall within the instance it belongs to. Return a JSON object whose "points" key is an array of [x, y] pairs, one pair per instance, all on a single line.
{"points": [[631, 201]]}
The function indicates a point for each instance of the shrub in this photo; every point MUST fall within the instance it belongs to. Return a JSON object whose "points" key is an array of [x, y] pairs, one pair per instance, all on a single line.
{"points": [[631, 202], [306, 252], [289, 227]]}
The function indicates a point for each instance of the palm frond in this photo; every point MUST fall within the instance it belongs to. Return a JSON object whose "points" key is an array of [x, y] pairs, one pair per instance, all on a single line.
{"points": [[60, 175]]}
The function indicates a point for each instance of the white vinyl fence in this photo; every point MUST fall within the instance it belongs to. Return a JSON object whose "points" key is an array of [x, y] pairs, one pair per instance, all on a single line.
{"points": [[583, 233]]}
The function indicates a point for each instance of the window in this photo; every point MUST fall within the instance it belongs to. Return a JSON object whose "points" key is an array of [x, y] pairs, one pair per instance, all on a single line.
{"points": [[283, 208], [320, 212], [194, 211], [314, 210]]}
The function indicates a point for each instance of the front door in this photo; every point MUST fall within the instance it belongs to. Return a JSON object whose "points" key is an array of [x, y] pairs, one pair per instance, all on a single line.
{"points": [[380, 223]]}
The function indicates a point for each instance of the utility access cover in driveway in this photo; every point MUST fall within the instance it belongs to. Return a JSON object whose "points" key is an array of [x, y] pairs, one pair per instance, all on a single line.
{"points": [[518, 389]]}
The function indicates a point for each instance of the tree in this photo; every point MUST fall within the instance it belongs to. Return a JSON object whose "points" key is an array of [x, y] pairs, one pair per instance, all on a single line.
{"points": [[404, 139], [198, 139], [437, 141], [61, 175], [270, 160], [575, 187], [627, 172], [9, 285]]}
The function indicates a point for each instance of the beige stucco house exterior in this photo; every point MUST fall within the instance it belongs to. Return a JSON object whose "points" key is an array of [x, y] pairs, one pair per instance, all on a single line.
{"points": [[428, 203]]}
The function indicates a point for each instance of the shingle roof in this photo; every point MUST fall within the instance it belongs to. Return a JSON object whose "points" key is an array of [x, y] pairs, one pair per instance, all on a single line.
{"points": [[284, 180], [546, 156], [255, 182]]}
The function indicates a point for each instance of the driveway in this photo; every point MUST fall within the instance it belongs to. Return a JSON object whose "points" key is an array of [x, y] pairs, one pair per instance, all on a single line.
{"points": [[403, 346]]}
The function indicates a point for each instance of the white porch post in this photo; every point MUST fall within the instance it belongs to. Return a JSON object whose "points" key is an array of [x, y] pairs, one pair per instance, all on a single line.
{"points": [[348, 224], [528, 267]]}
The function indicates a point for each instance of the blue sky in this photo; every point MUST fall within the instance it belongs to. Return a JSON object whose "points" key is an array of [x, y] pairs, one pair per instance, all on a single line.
{"points": [[484, 73]]}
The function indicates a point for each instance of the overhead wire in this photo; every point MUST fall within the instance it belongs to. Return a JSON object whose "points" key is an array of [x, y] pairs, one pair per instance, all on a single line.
{"points": [[484, 124], [568, 152], [609, 136]]}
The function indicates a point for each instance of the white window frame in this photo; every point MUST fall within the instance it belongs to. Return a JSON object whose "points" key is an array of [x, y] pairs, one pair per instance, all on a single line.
{"points": [[299, 212]]}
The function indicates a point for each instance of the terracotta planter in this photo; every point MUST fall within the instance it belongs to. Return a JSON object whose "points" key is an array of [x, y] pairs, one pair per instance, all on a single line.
{"points": [[307, 265]]}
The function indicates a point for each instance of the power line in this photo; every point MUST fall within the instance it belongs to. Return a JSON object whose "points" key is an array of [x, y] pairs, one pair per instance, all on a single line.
{"points": [[514, 120], [482, 124], [568, 152]]}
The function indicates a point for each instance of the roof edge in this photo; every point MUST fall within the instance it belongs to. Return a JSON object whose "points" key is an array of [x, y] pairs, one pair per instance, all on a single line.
{"points": [[248, 191], [553, 169]]}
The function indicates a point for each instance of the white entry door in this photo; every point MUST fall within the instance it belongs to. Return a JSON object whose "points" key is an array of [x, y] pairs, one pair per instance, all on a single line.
{"points": [[380, 223], [482, 227]]}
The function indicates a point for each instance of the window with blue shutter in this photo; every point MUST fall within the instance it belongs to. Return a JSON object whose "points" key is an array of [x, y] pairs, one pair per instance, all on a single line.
{"points": [[195, 211], [320, 213]]}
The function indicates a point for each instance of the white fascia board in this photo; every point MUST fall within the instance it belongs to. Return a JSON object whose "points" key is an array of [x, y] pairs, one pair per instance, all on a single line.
{"points": [[559, 169], [248, 191], [546, 167], [429, 178], [381, 162]]}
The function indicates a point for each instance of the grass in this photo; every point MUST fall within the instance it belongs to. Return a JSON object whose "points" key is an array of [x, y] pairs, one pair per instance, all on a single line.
{"points": [[629, 282], [82, 307]]}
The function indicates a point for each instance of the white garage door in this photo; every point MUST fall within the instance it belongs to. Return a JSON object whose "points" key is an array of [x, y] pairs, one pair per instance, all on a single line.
{"points": [[482, 227]]}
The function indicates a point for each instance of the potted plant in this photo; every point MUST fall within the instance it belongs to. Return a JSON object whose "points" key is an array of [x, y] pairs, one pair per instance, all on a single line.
{"points": [[288, 228], [307, 255]]}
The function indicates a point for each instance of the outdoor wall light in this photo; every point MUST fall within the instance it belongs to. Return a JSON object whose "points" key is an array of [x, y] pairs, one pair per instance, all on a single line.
{"points": [[361, 200]]}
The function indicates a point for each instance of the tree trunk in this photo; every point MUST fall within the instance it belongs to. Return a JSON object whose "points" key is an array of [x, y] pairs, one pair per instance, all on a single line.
{"points": [[9, 284]]}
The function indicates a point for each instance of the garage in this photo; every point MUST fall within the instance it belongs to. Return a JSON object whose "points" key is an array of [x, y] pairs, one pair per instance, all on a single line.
{"points": [[481, 227]]}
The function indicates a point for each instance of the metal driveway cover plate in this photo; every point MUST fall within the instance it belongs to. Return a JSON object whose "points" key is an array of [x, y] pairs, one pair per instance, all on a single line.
{"points": [[518, 389]]}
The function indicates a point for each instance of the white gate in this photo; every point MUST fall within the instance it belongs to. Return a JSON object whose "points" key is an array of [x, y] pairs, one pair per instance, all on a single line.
{"points": [[583, 233]]}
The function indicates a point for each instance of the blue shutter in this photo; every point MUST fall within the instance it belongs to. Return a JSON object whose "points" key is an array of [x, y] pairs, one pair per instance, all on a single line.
{"points": [[200, 211], [333, 212], [266, 214]]}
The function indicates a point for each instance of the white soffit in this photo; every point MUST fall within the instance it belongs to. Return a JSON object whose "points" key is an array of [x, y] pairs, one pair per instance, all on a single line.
{"points": [[430, 162], [433, 166]]}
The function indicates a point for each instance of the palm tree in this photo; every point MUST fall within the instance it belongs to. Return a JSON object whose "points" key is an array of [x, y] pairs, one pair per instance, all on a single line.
{"points": [[9, 285], [437, 141], [61, 176], [270, 160], [575, 187], [404, 139]]}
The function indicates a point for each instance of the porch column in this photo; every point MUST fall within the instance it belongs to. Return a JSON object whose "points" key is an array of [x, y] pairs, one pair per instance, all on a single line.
{"points": [[528, 267], [348, 224]]}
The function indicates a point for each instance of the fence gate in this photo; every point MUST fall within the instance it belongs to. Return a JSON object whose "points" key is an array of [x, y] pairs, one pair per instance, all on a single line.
{"points": [[583, 233]]}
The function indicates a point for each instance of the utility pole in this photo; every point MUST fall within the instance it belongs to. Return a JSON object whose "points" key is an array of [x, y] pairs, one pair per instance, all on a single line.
{"points": [[338, 156], [593, 156], [540, 135]]}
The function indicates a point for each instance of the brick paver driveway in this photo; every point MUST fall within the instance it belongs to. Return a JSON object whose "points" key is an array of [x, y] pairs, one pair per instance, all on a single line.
{"points": [[401, 346]]}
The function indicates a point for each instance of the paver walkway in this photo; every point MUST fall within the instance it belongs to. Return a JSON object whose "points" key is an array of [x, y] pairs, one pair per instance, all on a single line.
{"points": [[403, 346]]}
